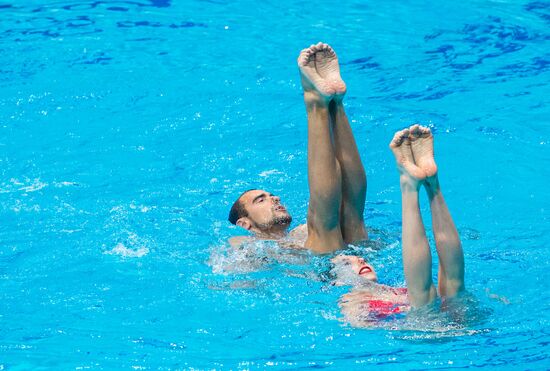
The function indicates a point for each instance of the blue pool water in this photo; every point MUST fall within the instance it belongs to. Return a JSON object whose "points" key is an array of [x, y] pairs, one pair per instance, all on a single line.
{"points": [[127, 129]]}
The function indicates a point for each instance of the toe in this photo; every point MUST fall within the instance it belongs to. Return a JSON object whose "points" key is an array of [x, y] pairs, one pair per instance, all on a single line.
{"points": [[304, 57], [426, 132], [415, 131], [399, 137], [395, 141]]}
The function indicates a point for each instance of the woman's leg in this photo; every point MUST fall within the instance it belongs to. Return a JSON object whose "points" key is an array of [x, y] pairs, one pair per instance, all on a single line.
{"points": [[417, 259], [447, 241]]}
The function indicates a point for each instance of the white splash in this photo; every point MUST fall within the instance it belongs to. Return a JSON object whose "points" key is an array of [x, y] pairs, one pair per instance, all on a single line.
{"points": [[267, 173], [126, 252], [64, 184], [27, 185], [34, 186]]}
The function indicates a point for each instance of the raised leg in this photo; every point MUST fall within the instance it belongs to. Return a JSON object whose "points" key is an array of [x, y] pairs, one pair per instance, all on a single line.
{"points": [[447, 241], [354, 180], [325, 185], [417, 259], [324, 174], [322, 74]]}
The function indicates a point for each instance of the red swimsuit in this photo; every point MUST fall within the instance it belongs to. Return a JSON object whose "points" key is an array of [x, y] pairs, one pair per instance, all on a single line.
{"points": [[381, 308]]}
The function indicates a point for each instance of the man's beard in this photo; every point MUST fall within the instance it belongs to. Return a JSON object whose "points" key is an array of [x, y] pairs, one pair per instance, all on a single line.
{"points": [[282, 220], [278, 220]]}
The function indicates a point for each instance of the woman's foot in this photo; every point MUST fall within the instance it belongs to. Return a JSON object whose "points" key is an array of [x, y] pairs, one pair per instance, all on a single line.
{"points": [[422, 145], [401, 148]]}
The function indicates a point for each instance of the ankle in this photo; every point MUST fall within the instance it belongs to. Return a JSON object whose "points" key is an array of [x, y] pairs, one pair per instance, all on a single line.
{"points": [[339, 101], [316, 100], [409, 184], [432, 186]]}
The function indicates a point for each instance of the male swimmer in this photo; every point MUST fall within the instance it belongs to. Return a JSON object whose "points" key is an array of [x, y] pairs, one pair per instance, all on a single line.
{"points": [[337, 180], [413, 151], [337, 187]]}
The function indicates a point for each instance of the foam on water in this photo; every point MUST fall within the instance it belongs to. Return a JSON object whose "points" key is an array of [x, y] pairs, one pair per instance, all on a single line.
{"points": [[126, 252]]}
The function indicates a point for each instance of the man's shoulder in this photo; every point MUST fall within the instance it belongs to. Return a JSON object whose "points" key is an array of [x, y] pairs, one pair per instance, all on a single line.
{"points": [[299, 232], [294, 239], [237, 241]]}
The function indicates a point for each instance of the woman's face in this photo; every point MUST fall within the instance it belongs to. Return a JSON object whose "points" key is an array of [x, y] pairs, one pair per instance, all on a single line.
{"points": [[352, 269]]}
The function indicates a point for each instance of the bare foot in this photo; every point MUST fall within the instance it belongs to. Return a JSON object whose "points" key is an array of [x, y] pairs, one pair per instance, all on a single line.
{"points": [[320, 71], [401, 148], [422, 145]]}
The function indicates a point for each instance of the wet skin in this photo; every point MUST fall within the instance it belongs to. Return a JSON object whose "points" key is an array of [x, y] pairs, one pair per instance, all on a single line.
{"points": [[267, 217], [360, 268]]}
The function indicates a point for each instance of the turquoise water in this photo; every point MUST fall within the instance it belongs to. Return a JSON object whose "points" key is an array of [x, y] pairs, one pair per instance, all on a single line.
{"points": [[127, 129]]}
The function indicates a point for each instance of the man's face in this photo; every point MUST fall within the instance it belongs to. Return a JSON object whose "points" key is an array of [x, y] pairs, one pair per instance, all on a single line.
{"points": [[265, 210]]}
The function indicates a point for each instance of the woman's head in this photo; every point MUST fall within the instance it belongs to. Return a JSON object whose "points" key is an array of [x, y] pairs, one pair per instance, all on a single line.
{"points": [[352, 270]]}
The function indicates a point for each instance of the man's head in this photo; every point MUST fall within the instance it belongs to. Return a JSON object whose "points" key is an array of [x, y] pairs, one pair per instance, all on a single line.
{"points": [[259, 212]]}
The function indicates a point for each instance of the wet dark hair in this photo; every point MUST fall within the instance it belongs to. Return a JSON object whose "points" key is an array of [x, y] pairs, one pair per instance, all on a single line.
{"points": [[324, 268], [328, 275], [238, 210]]}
